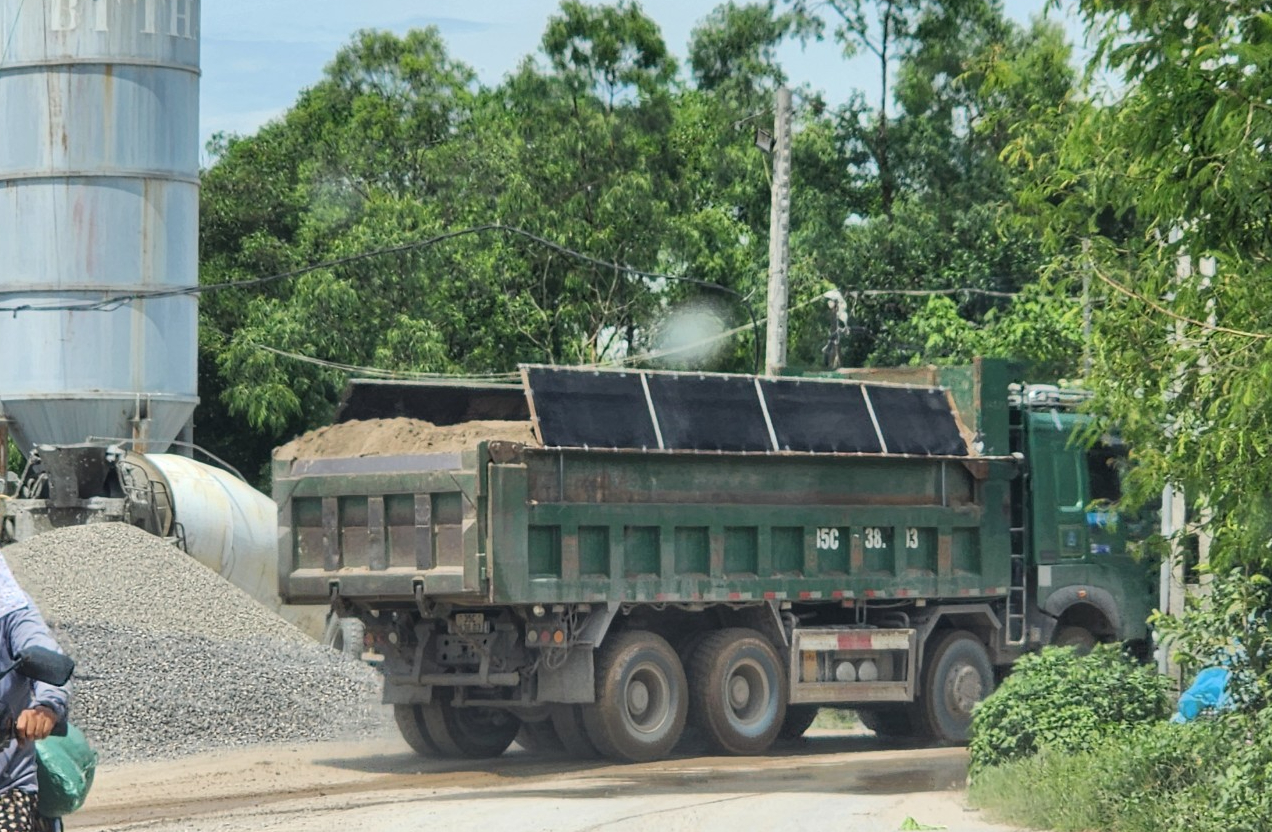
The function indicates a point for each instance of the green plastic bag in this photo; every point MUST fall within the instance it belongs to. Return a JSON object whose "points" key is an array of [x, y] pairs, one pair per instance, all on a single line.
{"points": [[64, 767]]}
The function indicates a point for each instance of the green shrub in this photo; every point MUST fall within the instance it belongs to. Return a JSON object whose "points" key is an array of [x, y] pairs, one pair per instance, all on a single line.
{"points": [[1207, 776], [1229, 625], [1067, 703]]}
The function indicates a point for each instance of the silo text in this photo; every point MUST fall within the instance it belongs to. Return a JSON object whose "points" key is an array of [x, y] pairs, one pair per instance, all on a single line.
{"points": [[175, 18]]}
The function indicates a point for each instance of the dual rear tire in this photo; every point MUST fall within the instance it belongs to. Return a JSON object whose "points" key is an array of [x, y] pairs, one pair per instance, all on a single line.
{"points": [[641, 698], [737, 691], [733, 691], [441, 730]]}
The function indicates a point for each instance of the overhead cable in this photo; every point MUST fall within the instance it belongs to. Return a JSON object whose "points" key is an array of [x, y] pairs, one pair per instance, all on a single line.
{"points": [[111, 301]]}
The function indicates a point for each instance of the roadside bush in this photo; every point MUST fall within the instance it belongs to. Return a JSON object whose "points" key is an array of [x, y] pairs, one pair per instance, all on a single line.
{"points": [[1066, 703], [1207, 776], [1230, 626]]}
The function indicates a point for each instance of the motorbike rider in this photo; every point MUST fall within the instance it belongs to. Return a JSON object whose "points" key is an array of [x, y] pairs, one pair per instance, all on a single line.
{"points": [[30, 709]]}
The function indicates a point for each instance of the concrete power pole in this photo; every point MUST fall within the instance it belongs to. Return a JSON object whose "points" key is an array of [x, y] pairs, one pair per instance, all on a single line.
{"points": [[779, 238], [1174, 580]]}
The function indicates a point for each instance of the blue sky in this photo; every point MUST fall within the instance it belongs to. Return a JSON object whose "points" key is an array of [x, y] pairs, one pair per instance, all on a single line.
{"points": [[259, 54]]}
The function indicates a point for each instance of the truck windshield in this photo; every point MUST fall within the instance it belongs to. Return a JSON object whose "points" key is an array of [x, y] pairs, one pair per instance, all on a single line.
{"points": [[1104, 467]]}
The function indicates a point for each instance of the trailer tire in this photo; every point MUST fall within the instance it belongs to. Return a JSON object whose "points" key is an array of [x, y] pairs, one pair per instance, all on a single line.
{"points": [[410, 723], [471, 733], [641, 698], [737, 691], [540, 738], [799, 718], [958, 675], [567, 722]]}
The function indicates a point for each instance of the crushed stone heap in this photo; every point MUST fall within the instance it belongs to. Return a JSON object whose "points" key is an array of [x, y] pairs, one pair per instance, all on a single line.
{"points": [[391, 437], [172, 659]]}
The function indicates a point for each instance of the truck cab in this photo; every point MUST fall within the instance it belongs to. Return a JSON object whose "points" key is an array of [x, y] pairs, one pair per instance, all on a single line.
{"points": [[1087, 584]]}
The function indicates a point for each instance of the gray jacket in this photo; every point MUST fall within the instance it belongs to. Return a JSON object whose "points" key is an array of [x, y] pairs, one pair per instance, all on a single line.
{"points": [[23, 627]]}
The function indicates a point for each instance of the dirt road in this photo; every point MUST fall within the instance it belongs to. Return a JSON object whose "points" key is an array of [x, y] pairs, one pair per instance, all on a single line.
{"points": [[833, 781]]}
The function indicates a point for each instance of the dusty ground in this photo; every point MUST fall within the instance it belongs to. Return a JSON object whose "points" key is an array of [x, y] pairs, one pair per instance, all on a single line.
{"points": [[830, 781]]}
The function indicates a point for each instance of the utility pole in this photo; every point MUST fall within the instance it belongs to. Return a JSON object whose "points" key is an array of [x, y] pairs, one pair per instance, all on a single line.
{"points": [[4, 454], [1176, 527], [1087, 266], [779, 237]]}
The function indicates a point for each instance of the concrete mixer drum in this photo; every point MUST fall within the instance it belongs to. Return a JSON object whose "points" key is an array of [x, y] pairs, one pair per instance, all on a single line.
{"points": [[148, 498]]}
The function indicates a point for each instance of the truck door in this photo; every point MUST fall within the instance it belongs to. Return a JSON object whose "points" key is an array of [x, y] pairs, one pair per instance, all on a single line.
{"points": [[1057, 469]]}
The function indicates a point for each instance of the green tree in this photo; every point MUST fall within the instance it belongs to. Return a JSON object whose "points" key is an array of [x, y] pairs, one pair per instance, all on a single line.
{"points": [[1167, 178], [397, 144], [965, 77]]}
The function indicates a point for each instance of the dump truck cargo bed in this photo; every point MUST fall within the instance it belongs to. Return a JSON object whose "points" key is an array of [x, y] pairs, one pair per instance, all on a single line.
{"points": [[503, 521], [509, 524]]}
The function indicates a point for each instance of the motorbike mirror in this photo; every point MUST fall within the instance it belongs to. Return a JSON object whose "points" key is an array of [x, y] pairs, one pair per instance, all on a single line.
{"points": [[45, 665]]}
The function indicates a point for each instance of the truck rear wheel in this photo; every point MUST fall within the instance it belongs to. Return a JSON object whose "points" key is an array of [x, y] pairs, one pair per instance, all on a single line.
{"points": [[540, 738], [799, 718], [737, 691], [410, 723], [957, 676], [567, 722], [641, 698], [469, 732]]}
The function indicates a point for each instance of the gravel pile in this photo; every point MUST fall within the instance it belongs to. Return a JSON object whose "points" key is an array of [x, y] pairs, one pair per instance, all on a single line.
{"points": [[172, 659]]}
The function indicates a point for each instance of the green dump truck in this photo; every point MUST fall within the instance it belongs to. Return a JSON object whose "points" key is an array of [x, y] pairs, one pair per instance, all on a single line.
{"points": [[657, 555]]}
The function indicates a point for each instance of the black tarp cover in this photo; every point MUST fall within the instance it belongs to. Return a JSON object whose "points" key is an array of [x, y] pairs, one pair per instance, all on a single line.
{"points": [[699, 412]]}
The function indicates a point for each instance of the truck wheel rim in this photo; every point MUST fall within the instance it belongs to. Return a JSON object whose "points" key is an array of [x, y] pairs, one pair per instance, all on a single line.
{"points": [[747, 692], [964, 690], [647, 699]]}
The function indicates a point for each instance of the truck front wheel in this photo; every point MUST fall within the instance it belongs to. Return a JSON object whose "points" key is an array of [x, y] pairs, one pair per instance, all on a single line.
{"points": [[641, 698], [1079, 638], [957, 676], [737, 690]]}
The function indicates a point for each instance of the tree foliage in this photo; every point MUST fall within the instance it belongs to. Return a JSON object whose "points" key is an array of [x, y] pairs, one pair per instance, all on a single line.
{"points": [[1165, 182], [602, 143]]}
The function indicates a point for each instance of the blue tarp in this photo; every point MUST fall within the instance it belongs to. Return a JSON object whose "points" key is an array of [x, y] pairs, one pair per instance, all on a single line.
{"points": [[1208, 692]]}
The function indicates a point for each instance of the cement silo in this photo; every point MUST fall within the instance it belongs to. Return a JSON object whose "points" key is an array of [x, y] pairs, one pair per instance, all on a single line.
{"points": [[99, 197]]}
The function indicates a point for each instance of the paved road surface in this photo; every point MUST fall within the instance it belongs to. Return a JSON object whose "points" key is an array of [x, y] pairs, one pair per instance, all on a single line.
{"points": [[828, 782]]}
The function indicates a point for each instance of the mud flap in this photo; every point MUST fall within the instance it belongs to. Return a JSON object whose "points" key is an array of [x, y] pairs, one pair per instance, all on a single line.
{"points": [[571, 683]]}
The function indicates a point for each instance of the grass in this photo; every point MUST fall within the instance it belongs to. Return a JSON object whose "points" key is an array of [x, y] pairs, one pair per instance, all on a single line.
{"points": [[836, 719], [1201, 777], [1047, 791]]}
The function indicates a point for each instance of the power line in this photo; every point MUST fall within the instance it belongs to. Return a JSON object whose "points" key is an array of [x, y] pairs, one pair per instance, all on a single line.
{"points": [[111, 302], [1157, 307], [412, 375], [923, 293], [391, 375]]}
